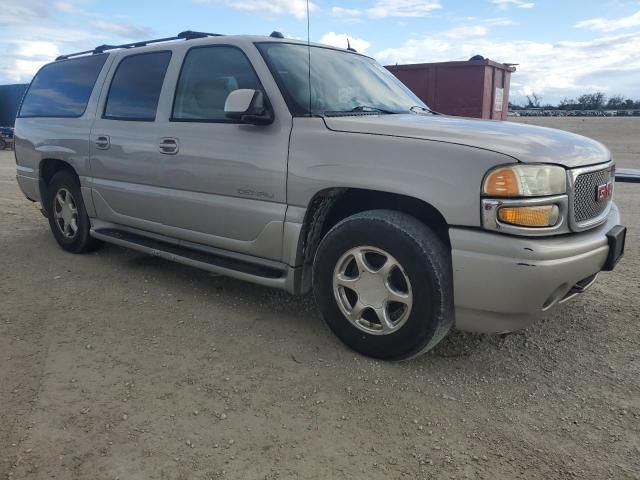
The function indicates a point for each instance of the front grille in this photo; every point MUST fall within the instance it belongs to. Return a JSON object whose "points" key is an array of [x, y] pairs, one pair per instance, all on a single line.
{"points": [[585, 204]]}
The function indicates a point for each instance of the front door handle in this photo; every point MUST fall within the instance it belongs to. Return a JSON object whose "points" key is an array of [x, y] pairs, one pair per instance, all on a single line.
{"points": [[103, 142], [169, 145]]}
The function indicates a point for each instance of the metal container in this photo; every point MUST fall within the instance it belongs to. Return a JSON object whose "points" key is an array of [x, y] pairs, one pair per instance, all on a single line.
{"points": [[476, 88]]}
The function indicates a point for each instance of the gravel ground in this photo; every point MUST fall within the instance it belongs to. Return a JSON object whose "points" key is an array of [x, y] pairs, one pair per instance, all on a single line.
{"points": [[118, 365], [621, 135]]}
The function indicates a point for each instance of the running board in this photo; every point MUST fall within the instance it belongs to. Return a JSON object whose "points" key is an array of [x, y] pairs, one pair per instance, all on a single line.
{"points": [[268, 275]]}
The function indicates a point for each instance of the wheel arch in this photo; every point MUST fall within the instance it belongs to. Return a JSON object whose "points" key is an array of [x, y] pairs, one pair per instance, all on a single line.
{"points": [[48, 167], [330, 206]]}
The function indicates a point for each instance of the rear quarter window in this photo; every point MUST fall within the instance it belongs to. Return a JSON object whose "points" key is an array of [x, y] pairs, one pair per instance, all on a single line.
{"points": [[63, 88]]}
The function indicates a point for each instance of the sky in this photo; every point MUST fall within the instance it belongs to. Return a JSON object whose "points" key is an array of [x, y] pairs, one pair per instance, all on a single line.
{"points": [[563, 48]]}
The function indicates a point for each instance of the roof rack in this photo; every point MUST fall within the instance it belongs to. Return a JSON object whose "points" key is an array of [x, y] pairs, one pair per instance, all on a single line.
{"points": [[186, 35]]}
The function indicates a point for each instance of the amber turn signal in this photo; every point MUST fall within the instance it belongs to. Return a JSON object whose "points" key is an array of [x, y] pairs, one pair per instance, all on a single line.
{"points": [[539, 216]]}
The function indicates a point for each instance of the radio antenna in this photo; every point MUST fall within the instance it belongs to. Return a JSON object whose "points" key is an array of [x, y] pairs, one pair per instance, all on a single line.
{"points": [[309, 54]]}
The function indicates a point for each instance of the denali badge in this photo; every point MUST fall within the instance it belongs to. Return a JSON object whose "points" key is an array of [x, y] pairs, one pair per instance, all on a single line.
{"points": [[603, 192]]}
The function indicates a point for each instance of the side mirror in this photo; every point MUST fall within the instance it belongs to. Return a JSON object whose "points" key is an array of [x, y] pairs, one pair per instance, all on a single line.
{"points": [[247, 106]]}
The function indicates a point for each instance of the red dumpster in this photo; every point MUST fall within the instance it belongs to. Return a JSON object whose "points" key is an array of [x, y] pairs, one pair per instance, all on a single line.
{"points": [[476, 88]]}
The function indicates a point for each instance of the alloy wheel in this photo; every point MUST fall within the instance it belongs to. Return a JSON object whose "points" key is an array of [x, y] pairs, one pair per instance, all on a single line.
{"points": [[65, 213], [372, 290]]}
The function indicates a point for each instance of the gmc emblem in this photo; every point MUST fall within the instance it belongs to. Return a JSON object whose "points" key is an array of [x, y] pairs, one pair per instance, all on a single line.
{"points": [[603, 192]]}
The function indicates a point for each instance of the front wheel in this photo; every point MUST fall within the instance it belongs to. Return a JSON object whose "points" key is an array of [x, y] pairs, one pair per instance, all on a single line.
{"points": [[383, 282]]}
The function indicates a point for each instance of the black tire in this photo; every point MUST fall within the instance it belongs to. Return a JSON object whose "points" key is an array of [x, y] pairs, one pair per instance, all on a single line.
{"points": [[425, 261], [80, 242]]}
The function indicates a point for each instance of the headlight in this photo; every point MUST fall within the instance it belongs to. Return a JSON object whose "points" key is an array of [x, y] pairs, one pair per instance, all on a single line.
{"points": [[525, 181]]}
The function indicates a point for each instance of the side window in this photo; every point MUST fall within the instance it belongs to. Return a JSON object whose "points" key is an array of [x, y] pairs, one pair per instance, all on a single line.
{"points": [[208, 75], [63, 88], [135, 88]]}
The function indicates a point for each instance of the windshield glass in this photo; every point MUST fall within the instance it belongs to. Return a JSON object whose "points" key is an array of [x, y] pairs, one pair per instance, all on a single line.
{"points": [[340, 81]]}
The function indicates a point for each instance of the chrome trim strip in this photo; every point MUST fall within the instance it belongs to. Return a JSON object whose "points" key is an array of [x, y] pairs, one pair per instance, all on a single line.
{"points": [[573, 174], [490, 207]]}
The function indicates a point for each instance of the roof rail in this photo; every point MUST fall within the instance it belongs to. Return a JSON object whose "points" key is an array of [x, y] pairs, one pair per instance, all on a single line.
{"points": [[186, 35]]}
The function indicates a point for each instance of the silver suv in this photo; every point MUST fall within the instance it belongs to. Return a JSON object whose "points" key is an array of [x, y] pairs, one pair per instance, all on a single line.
{"points": [[232, 154]]}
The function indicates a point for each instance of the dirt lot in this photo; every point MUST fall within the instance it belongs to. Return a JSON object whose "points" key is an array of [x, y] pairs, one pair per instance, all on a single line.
{"points": [[117, 365]]}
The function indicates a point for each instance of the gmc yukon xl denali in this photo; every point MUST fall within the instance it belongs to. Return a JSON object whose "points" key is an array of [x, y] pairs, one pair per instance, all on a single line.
{"points": [[310, 168]]}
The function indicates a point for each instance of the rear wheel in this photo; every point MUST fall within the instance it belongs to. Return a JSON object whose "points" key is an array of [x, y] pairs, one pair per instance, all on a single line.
{"points": [[383, 283], [68, 217]]}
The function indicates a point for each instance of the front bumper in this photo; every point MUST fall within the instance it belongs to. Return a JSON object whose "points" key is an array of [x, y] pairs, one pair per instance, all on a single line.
{"points": [[502, 283]]}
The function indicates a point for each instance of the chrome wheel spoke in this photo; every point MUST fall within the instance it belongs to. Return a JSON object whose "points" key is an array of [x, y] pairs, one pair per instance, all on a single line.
{"points": [[361, 261], [398, 297], [347, 282], [387, 267], [356, 311], [383, 318]]}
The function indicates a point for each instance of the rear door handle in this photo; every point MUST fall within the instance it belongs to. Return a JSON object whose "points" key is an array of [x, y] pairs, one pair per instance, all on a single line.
{"points": [[169, 145], [103, 142]]}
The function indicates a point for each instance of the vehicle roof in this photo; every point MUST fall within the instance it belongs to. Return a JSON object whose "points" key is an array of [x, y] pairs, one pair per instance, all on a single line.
{"points": [[163, 44]]}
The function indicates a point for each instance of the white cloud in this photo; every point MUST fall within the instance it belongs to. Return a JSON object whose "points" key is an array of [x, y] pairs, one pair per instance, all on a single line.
{"points": [[403, 8], [120, 29], [65, 7], [37, 50], [390, 8], [21, 12], [33, 32], [610, 63], [503, 4], [466, 31], [346, 12], [26, 58], [497, 22], [610, 24], [297, 8], [340, 40]]}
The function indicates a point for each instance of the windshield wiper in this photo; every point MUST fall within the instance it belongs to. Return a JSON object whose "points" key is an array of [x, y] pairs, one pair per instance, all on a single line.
{"points": [[418, 109], [360, 109], [367, 108]]}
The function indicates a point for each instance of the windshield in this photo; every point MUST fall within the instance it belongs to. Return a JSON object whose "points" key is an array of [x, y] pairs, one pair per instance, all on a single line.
{"points": [[340, 81]]}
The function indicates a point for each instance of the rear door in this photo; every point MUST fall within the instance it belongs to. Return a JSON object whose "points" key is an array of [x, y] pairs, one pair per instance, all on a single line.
{"points": [[126, 164]]}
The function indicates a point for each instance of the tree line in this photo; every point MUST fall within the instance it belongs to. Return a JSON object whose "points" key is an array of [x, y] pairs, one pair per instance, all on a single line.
{"points": [[588, 101]]}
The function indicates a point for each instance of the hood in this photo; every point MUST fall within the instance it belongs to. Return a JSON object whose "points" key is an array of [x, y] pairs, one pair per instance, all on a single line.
{"points": [[525, 143]]}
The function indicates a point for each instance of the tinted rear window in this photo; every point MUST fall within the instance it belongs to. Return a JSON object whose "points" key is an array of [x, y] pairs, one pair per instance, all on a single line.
{"points": [[135, 88], [62, 89]]}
